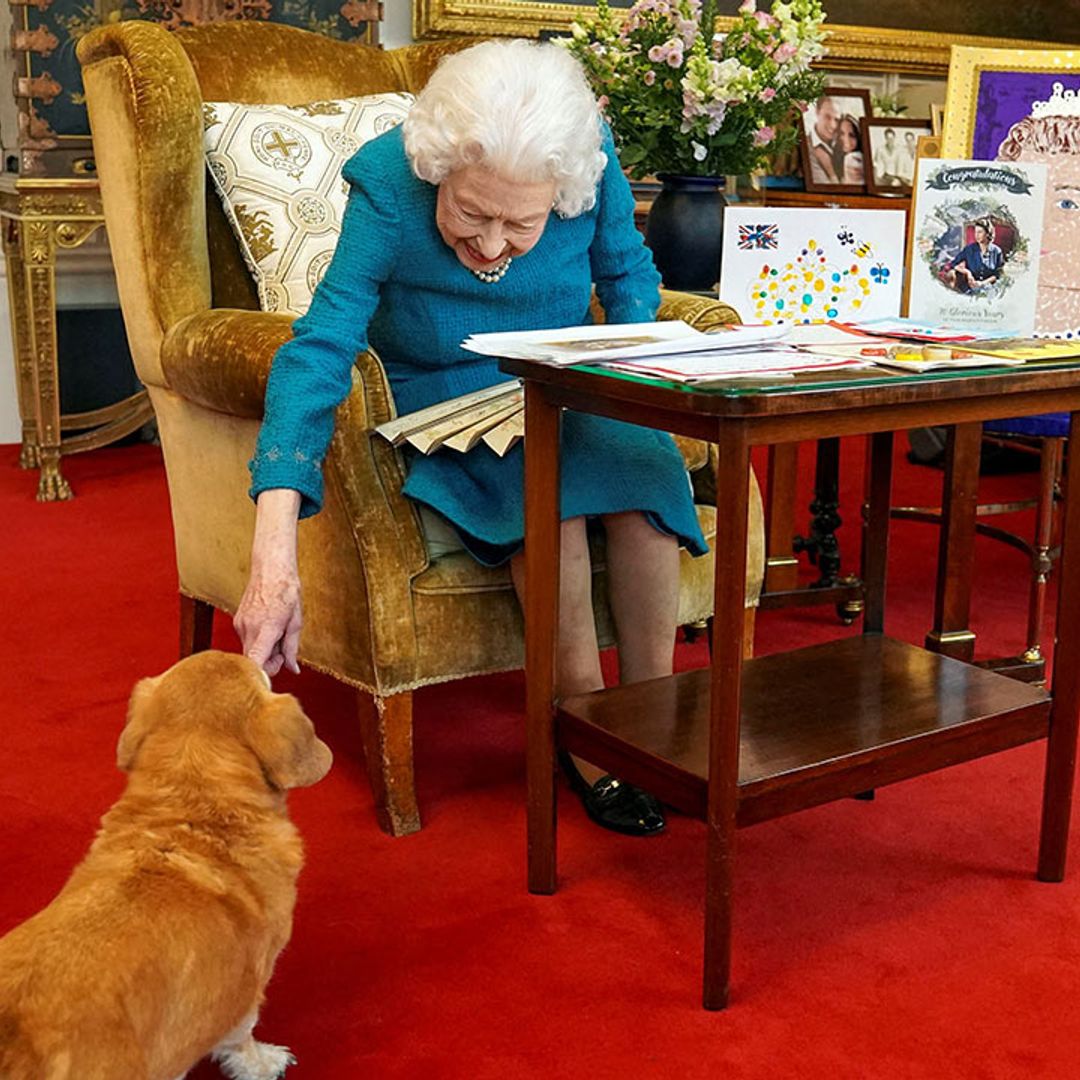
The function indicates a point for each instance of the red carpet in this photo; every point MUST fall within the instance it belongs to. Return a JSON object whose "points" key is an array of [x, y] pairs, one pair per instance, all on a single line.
{"points": [[901, 938]]}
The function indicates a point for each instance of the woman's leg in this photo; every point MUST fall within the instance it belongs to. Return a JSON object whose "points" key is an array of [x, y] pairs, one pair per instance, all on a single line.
{"points": [[577, 667], [643, 586], [577, 657], [577, 654]]}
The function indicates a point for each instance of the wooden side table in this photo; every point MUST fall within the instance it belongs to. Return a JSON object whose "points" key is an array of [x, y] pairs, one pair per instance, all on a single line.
{"points": [[744, 742], [38, 217]]}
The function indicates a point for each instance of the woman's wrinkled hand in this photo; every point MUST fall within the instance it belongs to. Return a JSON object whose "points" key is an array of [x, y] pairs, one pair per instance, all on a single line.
{"points": [[269, 617]]}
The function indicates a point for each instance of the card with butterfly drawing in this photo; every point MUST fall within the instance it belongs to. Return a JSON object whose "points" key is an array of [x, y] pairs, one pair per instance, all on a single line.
{"points": [[808, 265]]}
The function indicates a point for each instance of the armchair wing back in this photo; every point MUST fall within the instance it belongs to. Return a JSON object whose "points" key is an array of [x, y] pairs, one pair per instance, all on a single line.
{"points": [[380, 615]]}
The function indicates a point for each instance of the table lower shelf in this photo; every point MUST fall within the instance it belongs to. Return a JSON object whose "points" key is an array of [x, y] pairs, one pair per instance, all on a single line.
{"points": [[817, 724]]}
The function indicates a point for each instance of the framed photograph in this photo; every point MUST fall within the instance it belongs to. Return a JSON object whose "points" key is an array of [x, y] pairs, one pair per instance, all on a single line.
{"points": [[831, 141], [1024, 106], [891, 149], [977, 229], [908, 36], [937, 117]]}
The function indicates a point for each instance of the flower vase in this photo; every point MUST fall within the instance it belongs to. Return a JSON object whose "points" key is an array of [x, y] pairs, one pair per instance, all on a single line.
{"points": [[685, 229]]}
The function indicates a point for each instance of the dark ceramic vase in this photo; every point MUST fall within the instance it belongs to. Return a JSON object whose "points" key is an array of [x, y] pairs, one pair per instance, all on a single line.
{"points": [[684, 230]]}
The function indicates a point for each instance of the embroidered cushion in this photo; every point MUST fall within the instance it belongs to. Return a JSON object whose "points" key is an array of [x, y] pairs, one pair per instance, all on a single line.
{"points": [[277, 169]]}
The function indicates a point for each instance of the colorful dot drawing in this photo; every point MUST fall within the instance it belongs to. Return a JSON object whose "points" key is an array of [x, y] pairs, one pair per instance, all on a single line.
{"points": [[814, 286]]}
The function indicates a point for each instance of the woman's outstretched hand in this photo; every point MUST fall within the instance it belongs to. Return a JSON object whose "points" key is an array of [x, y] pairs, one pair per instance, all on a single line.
{"points": [[269, 617]]}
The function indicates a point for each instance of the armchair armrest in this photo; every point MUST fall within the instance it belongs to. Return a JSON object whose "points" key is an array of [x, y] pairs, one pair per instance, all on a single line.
{"points": [[701, 312], [220, 359]]}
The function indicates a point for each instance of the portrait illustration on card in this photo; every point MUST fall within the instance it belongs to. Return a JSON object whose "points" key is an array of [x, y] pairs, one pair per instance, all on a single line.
{"points": [[977, 237], [831, 141], [1024, 106], [891, 148]]}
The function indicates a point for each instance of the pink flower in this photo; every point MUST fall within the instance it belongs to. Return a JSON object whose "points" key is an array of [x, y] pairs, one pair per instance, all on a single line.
{"points": [[784, 52], [747, 7], [650, 78], [670, 52], [764, 136], [764, 19], [768, 93]]}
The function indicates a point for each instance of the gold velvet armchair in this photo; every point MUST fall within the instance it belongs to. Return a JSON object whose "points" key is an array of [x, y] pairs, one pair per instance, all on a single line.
{"points": [[379, 614]]}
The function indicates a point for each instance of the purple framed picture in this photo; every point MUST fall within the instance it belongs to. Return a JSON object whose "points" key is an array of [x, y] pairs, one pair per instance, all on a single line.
{"points": [[1006, 97]]}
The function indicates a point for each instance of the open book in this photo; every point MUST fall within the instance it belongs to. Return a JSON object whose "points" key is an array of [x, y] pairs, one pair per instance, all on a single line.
{"points": [[494, 416]]}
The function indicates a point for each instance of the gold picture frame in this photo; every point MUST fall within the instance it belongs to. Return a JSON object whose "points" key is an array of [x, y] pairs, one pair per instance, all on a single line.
{"points": [[851, 48], [963, 134]]}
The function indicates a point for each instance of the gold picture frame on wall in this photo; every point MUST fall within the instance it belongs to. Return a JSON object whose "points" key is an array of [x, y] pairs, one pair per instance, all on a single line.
{"points": [[856, 41], [1024, 105]]}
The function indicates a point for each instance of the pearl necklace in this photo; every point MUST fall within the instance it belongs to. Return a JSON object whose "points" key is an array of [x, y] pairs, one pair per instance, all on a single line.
{"points": [[489, 277]]}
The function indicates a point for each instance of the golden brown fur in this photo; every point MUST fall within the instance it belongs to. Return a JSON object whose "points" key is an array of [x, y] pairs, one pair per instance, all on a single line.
{"points": [[160, 945]]}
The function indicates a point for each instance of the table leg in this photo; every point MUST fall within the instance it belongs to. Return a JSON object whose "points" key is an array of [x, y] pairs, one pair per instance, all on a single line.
{"points": [[732, 501], [542, 527], [21, 343], [951, 634], [1065, 684], [875, 545], [821, 545], [1050, 459], [781, 565], [38, 248]]}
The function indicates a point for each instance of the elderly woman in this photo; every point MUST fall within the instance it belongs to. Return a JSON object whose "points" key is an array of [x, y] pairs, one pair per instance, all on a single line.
{"points": [[496, 206]]}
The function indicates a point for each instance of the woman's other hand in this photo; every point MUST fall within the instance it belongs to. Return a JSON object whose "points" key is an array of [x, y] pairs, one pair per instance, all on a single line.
{"points": [[268, 619]]}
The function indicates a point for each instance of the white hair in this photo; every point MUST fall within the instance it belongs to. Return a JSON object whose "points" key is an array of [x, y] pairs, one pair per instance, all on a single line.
{"points": [[522, 109]]}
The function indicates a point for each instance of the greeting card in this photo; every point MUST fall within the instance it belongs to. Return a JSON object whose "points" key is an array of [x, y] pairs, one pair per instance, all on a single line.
{"points": [[977, 232], [812, 265]]}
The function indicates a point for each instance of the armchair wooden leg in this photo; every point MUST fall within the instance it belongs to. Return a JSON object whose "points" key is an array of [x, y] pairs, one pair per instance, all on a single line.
{"points": [[386, 728], [196, 625]]}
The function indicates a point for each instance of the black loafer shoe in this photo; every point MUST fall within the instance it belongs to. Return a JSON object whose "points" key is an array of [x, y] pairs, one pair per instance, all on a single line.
{"points": [[614, 804]]}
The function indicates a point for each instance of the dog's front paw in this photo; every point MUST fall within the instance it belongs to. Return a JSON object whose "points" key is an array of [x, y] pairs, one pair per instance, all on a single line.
{"points": [[255, 1061]]}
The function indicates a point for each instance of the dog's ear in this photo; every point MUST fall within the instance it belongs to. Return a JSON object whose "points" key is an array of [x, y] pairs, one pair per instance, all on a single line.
{"points": [[138, 723], [284, 741]]}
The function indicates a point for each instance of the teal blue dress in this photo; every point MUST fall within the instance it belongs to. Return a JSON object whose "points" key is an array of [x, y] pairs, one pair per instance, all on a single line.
{"points": [[395, 285]]}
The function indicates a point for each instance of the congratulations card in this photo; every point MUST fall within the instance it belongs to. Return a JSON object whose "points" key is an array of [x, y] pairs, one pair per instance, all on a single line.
{"points": [[812, 265], [977, 231]]}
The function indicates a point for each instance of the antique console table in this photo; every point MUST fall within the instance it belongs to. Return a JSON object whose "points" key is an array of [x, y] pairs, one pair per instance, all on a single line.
{"points": [[40, 217], [743, 742]]}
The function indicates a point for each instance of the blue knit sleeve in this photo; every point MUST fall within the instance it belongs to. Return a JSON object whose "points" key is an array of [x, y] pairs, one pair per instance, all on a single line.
{"points": [[627, 283], [312, 373]]}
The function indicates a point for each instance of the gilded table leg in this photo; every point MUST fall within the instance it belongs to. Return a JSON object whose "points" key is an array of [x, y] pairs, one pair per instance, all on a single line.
{"points": [[39, 261], [20, 337]]}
